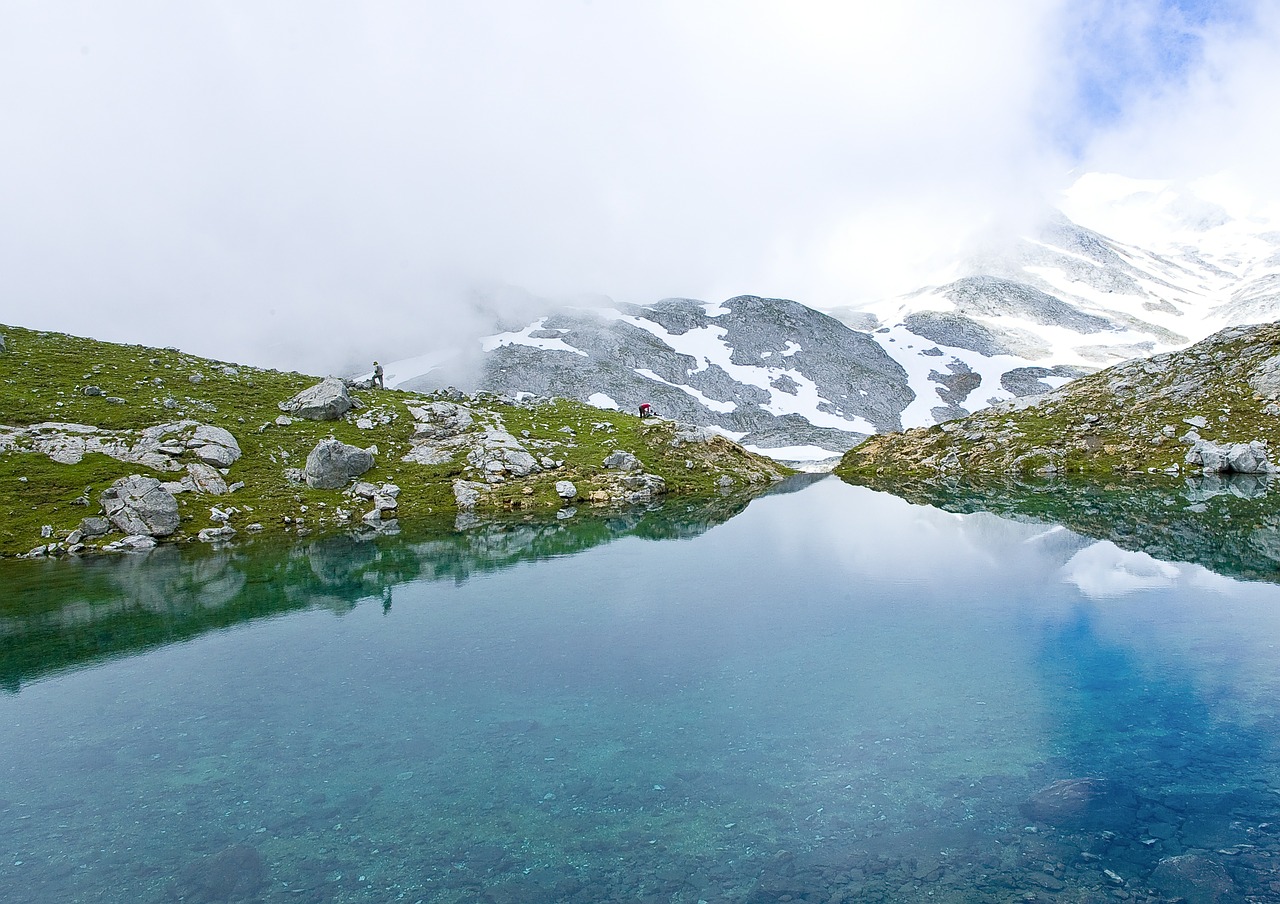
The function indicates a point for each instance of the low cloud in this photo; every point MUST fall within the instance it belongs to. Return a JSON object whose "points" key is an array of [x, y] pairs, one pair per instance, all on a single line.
{"points": [[314, 185]]}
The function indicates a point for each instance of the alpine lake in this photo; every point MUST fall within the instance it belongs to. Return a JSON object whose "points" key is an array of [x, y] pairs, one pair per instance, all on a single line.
{"points": [[828, 693]]}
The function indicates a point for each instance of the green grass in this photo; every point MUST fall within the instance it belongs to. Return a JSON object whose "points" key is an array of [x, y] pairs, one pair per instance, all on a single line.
{"points": [[43, 376]]}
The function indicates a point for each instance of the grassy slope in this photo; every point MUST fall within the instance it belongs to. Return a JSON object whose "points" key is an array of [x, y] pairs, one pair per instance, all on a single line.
{"points": [[1109, 422], [42, 376]]}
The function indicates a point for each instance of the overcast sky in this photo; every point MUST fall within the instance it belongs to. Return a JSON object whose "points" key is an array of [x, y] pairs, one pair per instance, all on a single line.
{"points": [[313, 184]]}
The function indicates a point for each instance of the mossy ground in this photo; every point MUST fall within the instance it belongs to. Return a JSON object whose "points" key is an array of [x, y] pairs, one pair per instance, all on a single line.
{"points": [[43, 376]]}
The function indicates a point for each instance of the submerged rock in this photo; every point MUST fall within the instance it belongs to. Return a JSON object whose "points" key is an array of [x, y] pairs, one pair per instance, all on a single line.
{"points": [[234, 874], [1194, 879], [1081, 802]]}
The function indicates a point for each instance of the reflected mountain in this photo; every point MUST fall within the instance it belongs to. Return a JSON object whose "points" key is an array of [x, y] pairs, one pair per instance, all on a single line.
{"points": [[69, 613], [1227, 524]]}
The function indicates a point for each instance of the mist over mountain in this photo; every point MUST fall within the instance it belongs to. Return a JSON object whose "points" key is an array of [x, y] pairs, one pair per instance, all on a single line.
{"points": [[1023, 316]]}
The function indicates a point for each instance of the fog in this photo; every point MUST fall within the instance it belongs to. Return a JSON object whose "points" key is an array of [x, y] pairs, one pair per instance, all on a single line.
{"points": [[312, 185]]}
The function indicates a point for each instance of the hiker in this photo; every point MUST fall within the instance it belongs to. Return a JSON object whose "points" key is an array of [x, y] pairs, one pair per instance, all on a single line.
{"points": [[646, 410], [377, 375]]}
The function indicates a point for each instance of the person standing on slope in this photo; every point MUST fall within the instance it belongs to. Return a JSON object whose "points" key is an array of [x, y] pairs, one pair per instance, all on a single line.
{"points": [[377, 375]]}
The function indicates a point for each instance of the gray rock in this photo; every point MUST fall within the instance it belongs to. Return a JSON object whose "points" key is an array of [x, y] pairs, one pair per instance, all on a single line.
{"points": [[139, 505], [3, 347], [211, 534], [132, 543], [622, 461], [94, 527], [325, 401], [642, 487], [332, 463], [1265, 381], [520, 463], [467, 493], [566, 490], [215, 446], [205, 479], [1231, 458], [93, 391]]}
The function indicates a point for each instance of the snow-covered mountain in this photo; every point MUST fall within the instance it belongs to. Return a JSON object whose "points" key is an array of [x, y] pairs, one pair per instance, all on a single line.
{"points": [[1026, 315]]}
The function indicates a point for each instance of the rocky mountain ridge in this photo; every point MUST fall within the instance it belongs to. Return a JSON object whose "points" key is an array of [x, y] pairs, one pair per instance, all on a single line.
{"points": [[1022, 316]]}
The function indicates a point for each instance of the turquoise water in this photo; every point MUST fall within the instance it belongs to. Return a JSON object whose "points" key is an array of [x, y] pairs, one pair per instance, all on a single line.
{"points": [[833, 696]]}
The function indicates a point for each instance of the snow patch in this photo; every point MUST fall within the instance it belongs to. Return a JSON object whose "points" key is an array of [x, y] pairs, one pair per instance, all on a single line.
{"points": [[600, 400]]}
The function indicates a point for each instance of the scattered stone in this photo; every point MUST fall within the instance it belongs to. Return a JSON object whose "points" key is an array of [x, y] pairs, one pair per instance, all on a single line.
{"points": [[93, 390], [566, 490], [131, 543], [283, 420], [196, 377], [212, 534], [139, 505], [116, 400], [325, 401], [332, 463]]}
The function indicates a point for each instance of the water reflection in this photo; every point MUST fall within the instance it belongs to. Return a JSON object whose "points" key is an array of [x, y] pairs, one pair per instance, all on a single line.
{"points": [[59, 614], [838, 696], [1227, 523]]}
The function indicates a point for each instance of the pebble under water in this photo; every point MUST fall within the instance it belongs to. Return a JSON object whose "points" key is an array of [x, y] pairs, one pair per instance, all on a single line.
{"points": [[834, 696]]}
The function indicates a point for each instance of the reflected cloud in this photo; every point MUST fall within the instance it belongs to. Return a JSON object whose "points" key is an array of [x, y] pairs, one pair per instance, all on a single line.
{"points": [[1104, 570]]}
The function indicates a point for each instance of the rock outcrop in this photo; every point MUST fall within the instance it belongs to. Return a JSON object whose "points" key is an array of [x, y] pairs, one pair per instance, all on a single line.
{"points": [[325, 401], [332, 464], [139, 505]]}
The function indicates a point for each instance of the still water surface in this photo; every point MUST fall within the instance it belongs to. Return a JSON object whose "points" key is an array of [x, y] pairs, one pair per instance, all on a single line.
{"points": [[833, 696]]}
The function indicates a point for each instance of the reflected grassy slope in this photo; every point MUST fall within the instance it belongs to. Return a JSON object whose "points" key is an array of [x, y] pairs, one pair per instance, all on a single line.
{"points": [[58, 615], [1229, 525]]}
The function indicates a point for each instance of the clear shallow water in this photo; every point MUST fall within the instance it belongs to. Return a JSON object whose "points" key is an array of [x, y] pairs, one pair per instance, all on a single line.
{"points": [[834, 696]]}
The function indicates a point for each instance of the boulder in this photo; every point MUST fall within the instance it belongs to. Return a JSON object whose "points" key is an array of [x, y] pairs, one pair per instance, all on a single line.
{"points": [[622, 461], [140, 505], [206, 479], [1265, 381], [94, 527], [213, 534], [1229, 458], [214, 446], [466, 494], [325, 401], [566, 490], [332, 463]]}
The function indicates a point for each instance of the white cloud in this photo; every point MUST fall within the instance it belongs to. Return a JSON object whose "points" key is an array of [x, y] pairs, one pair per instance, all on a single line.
{"points": [[317, 184]]}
